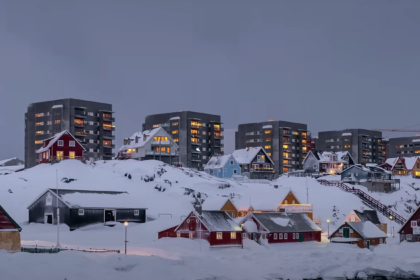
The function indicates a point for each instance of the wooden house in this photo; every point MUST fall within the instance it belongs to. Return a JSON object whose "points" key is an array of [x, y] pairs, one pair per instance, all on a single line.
{"points": [[272, 227], [363, 234], [415, 168], [374, 178], [221, 203], [224, 166], [410, 231], [396, 165], [217, 227], [79, 208], [327, 162], [255, 162], [367, 215], [61, 146], [9, 232]]}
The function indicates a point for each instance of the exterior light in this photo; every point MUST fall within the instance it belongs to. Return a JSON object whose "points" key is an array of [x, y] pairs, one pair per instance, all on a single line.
{"points": [[391, 217], [328, 220], [125, 223]]}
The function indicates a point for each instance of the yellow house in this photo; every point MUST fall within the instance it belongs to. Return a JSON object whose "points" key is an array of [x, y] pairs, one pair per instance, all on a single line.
{"points": [[367, 215]]}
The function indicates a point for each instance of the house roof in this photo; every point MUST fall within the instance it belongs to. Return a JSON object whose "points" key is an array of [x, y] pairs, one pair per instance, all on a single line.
{"points": [[367, 229], [410, 162], [367, 169], [94, 199], [7, 224], [141, 141], [368, 215], [284, 222], [55, 138], [246, 156], [408, 220], [215, 202], [218, 162], [217, 221], [324, 156]]}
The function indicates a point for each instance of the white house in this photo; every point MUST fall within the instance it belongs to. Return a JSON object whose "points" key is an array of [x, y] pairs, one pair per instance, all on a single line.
{"points": [[327, 162], [150, 144]]}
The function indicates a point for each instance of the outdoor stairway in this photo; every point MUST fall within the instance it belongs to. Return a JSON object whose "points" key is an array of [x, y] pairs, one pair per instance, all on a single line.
{"points": [[370, 201]]}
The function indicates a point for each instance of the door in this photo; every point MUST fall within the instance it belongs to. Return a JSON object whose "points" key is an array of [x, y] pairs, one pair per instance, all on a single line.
{"points": [[300, 237], [368, 244], [346, 232], [49, 219], [72, 154], [109, 216]]}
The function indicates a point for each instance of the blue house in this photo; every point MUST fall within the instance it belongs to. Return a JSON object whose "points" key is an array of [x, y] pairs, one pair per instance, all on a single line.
{"points": [[223, 166]]}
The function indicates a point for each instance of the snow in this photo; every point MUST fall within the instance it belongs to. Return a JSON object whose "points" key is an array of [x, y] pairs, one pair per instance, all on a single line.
{"points": [[141, 140], [267, 126], [174, 118], [219, 221], [367, 229], [346, 134], [53, 140], [281, 221], [410, 162], [344, 239], [416, 140], [6, 160], [214, 202], [57, 106], [245, 156], [250, 226], [217, 162]]}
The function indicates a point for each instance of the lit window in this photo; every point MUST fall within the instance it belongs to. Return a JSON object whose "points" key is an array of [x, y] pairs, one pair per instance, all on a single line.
{"points": [[304, 141], [72, 155], [267, 131], [78, 122], [38, 141], [303, 134], [285, 146], [194, 140], [293, 202], [304, 148], [60, 143], [176, 140], [39, 115], [267, 147], [346, 146], [285, 161], [155, 125], [168, 150], [269, 154], [72, 143], [178, 234], [295, 133], [267, 139], [233, 235], [39, 132], [194, 131], [219, 235], [285, 201], [59, 155], [174, 131], [175, 123], [417, 152], [191, 234], [81, 212], [39, 123], [57, 121]]}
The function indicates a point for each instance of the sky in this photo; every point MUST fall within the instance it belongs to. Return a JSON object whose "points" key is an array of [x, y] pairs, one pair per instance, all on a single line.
{"points": [[329, 64]]}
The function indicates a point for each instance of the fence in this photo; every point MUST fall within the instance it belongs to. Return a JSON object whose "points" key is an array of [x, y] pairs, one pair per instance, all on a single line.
{"points": [[51, 250]]}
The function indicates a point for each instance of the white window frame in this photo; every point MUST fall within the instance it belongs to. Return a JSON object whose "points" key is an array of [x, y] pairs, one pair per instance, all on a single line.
{"points": [[221, 235], [413, 223], [294, 236], [81, 212], [280, 235], [275, 236], [285, 235], [72, 143], [233, 235], [60, 143], [243, 235], [136, 212], [408, 237]]}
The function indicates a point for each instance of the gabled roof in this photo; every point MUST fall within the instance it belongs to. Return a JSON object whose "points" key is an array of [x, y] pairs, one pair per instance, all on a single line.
{"points": [[141, 141], [325, 156], [7, 223], [408, 220], [93, 199], [410, 162], [368, 215], [284, 222], [364, 229], [392, 161], [216, 221], [246, 156], [218, 161], [367, 168], [215, 202], [55, 138]]}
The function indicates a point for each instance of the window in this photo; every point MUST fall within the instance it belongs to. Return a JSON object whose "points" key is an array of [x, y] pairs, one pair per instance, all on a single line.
{"points": [[168, 150], [408, 236], [347, 146], [304, 149], [280, 235], [72, 143], [267, 139], [417, 152], [191, 234], [59, 155], [39, 123], [194, 140], [38, 141], [235, 171], [267, 147], [60, 143], [39, 115], [295, 133], [39, 132], [232, 214], [231, 162], [233, 235], [380, 241], [293, 202], [285, 146], [176, 140], [243, 235], [81, 212], [285, 201], [285, 236], [219, 235], [294, 236], [178, 234], [269, 154], [155, 125], [136, 212], [188, 221], [413, 223], [175, 123], [267, 131], [72, 155], [275, 236]]}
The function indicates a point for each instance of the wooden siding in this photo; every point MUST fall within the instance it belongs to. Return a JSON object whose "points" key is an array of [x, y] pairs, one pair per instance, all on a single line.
{"points": [[10, 240], [360, 243], [415, 172], [352, 217], [127, 215], [170, 232], [307, 236], [229, 208], [39, 209], [90, 217], [5, 222], [66, 149], [290, 197]]}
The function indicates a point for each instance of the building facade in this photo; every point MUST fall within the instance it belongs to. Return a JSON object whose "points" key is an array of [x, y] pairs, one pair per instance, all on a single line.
{"points": [[223, 166], [90, 122], [410, 231], [363, 234], [285, 142], [365, 146], [255, 163], [198, 135], [327, 162], [9, 232], [403, 147]]}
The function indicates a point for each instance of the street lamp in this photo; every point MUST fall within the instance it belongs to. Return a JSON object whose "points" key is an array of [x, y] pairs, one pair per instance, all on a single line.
{"points": [[126, 226], [392, 228], [328, 222]]}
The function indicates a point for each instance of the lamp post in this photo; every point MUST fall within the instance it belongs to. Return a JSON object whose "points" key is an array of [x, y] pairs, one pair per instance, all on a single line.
{"points": [[328, 222], [392, 228], [126, 226]]}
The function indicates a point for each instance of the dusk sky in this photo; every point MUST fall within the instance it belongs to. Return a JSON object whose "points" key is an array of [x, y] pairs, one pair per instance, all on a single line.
{"points": [[329, 64]]}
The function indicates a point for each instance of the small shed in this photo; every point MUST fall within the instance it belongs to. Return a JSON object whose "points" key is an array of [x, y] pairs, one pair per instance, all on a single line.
{"points": [[363, 234], [79, 208], [9, 232], [217, 227], [278, 227], [410, 231]]}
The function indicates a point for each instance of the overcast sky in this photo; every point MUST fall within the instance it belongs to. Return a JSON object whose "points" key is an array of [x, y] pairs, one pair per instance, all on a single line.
{"points": [[330, 64]]}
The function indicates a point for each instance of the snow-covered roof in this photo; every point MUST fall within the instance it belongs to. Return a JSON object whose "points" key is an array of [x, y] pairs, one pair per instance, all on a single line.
{"points": [[174, 118], [141, 141], [250, 226], [95, 199], [409, 219], [55, 138], [6, 160], [410, 162], [391, 161], [267, 126], [346, 134], [285, 222], [325, 156], [416, 140], [245, 156], [217, 162], [214, 202], [367, 229], [217, 221], [263, 201], [11, 168], [368, 169], [57, 106]]}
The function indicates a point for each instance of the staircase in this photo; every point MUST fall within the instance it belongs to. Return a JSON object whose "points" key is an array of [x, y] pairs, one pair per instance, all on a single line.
{"points": [[367, 199]]}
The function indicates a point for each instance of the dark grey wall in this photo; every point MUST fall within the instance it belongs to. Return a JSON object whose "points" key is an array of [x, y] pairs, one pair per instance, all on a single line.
{"points": [[38, 210], [409, 148]]}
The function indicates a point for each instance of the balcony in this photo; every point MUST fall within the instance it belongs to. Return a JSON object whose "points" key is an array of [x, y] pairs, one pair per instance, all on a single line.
{"points": [[109, 128], [108, 137], [109, 154], [295, 208], [218, 136], [161, 143], [194, 151], [195, 134], [217, 144], [198, 159], [78, 123], [263, 169], [108, 119], [80, 114], [195, 143], [80, 133], [110, 146]]}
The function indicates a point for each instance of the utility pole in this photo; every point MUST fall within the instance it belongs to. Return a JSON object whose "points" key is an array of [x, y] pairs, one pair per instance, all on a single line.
{"points": [[307, 194], [58, 246], [125, 242]]}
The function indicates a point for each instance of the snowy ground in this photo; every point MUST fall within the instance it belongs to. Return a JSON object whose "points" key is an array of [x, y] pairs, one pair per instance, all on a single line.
{"points": [[181, 258]]}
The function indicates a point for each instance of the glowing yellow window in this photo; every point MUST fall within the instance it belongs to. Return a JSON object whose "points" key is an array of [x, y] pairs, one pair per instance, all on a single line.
{"points": [[233, 235], [285, 146], [267, 139], [194, 140], [155, 125], [57, 121], [168, 150], [295, 133], [38, 141], [38, 132], [174, 123], [39, 123], [304, 148], [178, 234], [303, 134], [267, 147], [267, 131], [285, 161], [417, 152], [269, 154], [59, 155], [286, 155], [346, 146], [39, 115], [72, 155], [176, 140], [219, 235], [191, 234], [174, 131], [417, 173], [303, 140], [194, 131]]}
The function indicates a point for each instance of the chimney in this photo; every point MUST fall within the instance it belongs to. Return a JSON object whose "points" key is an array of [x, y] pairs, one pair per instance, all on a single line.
{"points": [[198, 209]]}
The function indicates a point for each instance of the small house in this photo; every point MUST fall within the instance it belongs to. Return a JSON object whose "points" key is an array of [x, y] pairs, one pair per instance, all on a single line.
{"points": [[410, 231], [9, 232], [363, 234], [415, 169], [374, 178], [255, 163], [61, 146], [327, 162], [272, 227], [223, 166], [217, 227], [222, 204], [154, 144], [79, 208], [367, 215], [396, 165]]}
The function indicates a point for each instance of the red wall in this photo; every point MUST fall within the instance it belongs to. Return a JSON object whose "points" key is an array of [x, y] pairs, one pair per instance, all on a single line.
{"points": [[66, 149], [170, 232], [5, 222], [407, 229], [307, 236]]}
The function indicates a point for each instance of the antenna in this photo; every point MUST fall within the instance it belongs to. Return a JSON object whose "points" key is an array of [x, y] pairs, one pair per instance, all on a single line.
{"points": [[58, 246]]}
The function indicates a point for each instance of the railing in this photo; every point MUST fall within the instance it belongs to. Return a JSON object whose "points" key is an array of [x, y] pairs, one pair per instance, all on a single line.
{"points": [[79, 124], [262, 169], [112, 146], [367, 199], [109, 119], [290, 208], [109, 128], [161, 142], [195, 143], [112, 137], [218, 136], [80, 133], [51, 250]]}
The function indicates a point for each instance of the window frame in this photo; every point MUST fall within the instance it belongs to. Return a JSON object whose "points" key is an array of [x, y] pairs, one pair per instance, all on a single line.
{"points": [[72, 142], [280, 236], [136, 212], [233, 235], [219, 235], [60, 143], [81, 212], [275, 236]]}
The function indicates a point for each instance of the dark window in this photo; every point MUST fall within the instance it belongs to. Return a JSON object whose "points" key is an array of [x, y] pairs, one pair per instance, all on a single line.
{"points": [[57, 112]]}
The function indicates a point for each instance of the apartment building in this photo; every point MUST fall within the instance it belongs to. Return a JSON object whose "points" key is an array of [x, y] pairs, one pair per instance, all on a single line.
{"points": [[365, 146], [285, 142], [403, 147], [90, 122], [198, 135]]}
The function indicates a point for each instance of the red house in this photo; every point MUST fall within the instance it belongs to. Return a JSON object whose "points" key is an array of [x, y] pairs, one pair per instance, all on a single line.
{"points": [[279, 227], [61, 146], [410, 231], [216, 227]]}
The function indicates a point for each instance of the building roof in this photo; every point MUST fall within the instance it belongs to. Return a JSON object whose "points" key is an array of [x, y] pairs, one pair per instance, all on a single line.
{"points": [[94, 199], [409, 219], [215, 202], [141, 140], [284, 222], [217, 162], [367, 229], [368, 215], [217, 221], [367, 168], [7, 223], [245, 156], [55, 138], [325, 156], [410, 162]]}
